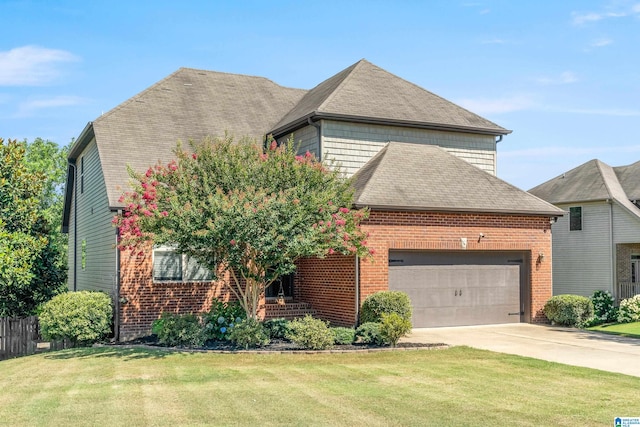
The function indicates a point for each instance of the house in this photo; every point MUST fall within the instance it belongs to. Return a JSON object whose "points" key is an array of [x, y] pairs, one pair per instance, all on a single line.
{"points": [[597, 245], [468, 247]]}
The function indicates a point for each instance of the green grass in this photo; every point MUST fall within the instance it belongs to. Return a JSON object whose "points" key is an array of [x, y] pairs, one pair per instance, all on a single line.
{"points": [[625, 329], [459, 386]]}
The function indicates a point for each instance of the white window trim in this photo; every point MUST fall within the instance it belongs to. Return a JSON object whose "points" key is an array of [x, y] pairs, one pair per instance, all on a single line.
{"points": [[183, 264]]}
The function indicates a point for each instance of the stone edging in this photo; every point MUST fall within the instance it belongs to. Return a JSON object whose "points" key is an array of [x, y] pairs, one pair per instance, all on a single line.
{"points": [[335, 351]]}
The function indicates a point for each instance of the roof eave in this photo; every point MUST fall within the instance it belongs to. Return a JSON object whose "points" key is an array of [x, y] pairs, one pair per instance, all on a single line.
{"points": [[315, 116], [392, 208]]}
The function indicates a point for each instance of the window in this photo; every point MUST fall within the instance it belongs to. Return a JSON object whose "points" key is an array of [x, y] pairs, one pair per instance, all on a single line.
{"points": [[575, 218], [83, 254], [171, 266]]}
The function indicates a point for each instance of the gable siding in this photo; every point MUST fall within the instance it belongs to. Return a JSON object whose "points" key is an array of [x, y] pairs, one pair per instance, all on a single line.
{"points": [[582, 261], [354, 144], [93, 226], [626, 227], [307, 138]]}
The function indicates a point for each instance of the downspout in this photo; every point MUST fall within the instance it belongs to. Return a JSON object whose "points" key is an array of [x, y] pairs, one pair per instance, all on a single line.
{"points": [[75, 225], [116, 314], [614, 286], [357, 290], [319, 128]]}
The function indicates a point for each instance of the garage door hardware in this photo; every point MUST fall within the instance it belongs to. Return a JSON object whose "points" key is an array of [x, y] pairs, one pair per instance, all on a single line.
{"points": [[517, 313], [458, 293]]}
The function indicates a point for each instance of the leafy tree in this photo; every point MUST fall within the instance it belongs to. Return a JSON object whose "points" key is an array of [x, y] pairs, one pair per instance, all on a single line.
{"points": [[30, 273], [236, 208]]}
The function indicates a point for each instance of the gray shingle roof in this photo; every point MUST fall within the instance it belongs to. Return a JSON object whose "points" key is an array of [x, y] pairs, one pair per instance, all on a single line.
{"points": [[188, 104], [426, 177], [593, 181], [365, 92]]}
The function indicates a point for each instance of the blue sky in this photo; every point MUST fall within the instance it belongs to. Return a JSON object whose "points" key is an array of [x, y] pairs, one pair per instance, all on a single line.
{"points": [[563, 75]]}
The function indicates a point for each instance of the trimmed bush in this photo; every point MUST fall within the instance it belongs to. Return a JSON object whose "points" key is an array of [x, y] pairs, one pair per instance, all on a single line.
{"points": [[568, 310], [249, 333], [393, 327], [310, 333], [629, 310], [183, 330], [221, 319], [385, 302], [369, 333], [604, 309], [82, 317], [343, 335], [277, 328]]}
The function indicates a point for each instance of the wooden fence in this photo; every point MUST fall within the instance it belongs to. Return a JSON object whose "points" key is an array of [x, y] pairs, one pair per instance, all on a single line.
{"points": [[18, 336]]}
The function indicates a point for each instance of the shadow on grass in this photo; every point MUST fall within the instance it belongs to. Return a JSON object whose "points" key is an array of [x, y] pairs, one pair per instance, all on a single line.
{"points": [[124, 353]]}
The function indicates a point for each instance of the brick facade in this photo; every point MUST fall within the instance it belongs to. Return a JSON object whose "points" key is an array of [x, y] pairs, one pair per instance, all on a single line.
{"points": [[329, 285], [444, 231]]}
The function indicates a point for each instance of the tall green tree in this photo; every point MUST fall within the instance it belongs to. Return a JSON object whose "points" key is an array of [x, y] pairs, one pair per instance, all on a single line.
{"points": [[30, 272], [238, 209]]}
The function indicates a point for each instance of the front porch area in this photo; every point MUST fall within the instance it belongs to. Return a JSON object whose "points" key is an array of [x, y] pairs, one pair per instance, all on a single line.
{"points": [[627, 270]]}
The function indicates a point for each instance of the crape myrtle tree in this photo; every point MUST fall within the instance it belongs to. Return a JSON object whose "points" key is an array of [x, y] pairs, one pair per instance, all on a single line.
{"points": [[238, 208]]}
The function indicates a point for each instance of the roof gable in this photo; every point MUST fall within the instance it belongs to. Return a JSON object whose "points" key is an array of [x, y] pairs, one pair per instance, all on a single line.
{"points": [[426, 177], [590, 182], [365, 92], [188, 104]]}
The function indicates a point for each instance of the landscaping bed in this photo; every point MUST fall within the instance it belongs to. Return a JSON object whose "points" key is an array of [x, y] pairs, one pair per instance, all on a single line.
{"points": [[279, 345]]}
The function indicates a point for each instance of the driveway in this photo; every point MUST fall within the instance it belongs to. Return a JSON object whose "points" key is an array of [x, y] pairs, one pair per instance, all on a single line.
{"points": [[563, 345]]}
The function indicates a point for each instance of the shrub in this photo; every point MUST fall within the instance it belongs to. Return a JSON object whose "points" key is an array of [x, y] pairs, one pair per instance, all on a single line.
{"points": [[179, 330], [604, 309], [343, 335], [385, 302], [81, 317], [221, 319], [393, 327], [310, 333], [629, 310], [568, 310], [277, 328], [369, 333], [249, 333]]}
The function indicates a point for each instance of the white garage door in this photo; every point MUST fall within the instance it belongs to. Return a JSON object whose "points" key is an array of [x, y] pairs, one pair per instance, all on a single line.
{"points": [[455, 289]]}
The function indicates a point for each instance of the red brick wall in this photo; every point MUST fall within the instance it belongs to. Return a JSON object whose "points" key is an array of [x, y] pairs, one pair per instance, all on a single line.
{"points": [[329, 286], [147, 300], [443, 231]]}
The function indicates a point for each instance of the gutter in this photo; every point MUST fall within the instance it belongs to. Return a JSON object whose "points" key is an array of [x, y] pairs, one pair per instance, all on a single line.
{"points": [[612, 254], [293, 126], [389, 208], [357, 259], [72, 165]]}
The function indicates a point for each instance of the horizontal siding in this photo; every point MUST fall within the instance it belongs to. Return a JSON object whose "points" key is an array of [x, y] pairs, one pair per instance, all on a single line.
{"points": [[306, 139], [94, 226], [352, 144], [582, 259], [626, 227]]}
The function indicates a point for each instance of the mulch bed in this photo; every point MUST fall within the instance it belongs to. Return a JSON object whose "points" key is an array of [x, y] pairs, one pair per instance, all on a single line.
{"points": [[278, 346]]}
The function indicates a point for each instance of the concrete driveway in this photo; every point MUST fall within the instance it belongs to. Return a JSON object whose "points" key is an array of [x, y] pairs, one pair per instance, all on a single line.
{"points": [[563, 345]]}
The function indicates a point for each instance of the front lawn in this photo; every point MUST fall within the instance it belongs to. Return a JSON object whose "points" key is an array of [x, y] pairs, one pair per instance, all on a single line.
{"points": [[625, 329], [459, 386]]}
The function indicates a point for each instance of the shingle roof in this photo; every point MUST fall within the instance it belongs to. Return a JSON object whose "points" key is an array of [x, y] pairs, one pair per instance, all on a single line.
{"points": [[365, 92], [188, 104], [426, 177], [593, 181]]}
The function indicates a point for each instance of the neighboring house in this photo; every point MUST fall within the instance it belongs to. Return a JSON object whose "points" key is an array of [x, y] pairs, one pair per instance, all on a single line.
{"points": [[597, 245], [467, 247]]}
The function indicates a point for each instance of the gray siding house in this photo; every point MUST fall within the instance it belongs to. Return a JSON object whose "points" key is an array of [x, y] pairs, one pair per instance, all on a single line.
{"points": [[597, 245]]}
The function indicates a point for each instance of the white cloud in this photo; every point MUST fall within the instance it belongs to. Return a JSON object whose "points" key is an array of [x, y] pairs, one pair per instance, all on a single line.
{"points": [[31, 65], [497, 106], [564, 78], [28, 108], [601, 42], [584, 18]]}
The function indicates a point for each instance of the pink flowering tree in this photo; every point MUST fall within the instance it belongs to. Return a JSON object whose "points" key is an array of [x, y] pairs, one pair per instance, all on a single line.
{"points": [[237, 208]]}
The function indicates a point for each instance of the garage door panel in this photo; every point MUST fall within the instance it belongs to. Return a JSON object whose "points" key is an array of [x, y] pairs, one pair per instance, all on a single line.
{"points": [[456, 295]]}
